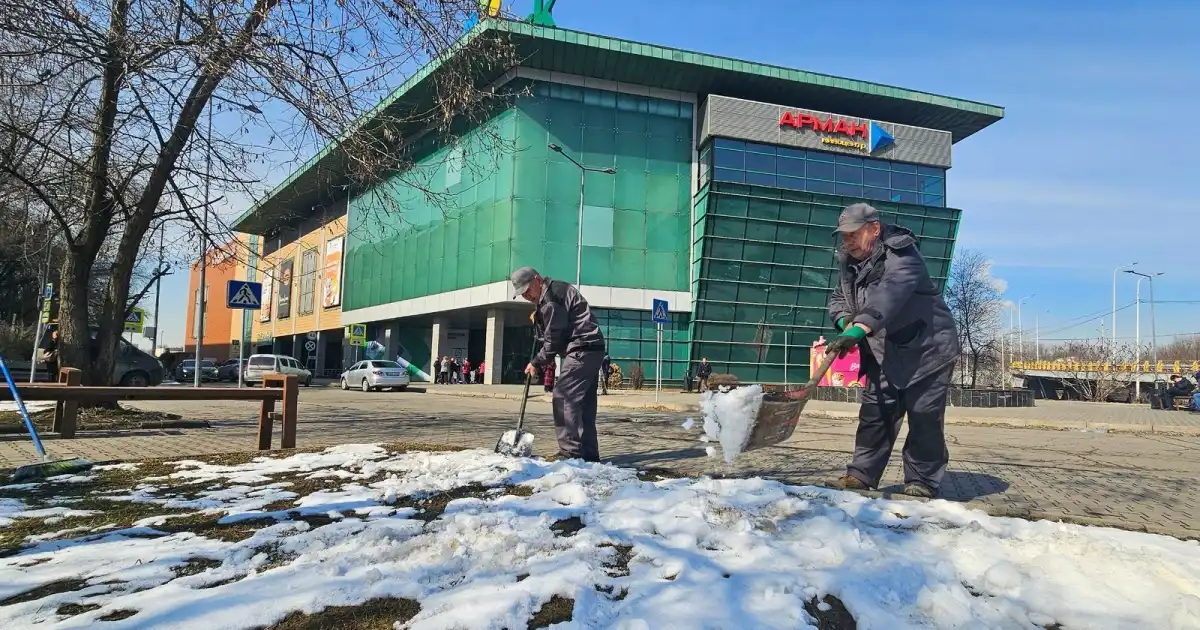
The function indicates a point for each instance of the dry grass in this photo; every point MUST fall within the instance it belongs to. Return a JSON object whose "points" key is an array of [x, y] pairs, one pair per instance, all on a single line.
{"points": [[375, 614], [557, 610], [70, 610], [45, 590], [89, 419], [118, 615]]}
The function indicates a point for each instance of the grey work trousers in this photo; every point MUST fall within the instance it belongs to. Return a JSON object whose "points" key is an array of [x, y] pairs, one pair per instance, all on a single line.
{"points": [[883, 409], [574, 405]]}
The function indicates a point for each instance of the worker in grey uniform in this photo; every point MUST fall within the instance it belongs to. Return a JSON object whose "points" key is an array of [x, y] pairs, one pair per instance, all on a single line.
{"points": [[886, 305], [568, 329]]}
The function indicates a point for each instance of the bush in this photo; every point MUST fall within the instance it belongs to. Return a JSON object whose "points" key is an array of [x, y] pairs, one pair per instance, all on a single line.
{"points": [[16, 341], [723, 380]]}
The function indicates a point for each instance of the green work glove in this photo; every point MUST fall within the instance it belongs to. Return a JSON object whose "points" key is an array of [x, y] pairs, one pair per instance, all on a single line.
{"points": [[841, 324], [848, 340]]}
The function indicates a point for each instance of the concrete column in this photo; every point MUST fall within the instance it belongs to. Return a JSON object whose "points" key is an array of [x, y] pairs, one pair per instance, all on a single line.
{"points": [[439, 342], [319, 369], [389, 339], [493, 347]]}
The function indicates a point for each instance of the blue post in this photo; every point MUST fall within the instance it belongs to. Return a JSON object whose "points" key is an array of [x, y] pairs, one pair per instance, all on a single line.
{"points": [[12, 387]]}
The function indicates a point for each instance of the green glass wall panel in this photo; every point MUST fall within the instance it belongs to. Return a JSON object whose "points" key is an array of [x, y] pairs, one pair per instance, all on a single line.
{"points": [[512, 201], [631, 340], [767, 268]]}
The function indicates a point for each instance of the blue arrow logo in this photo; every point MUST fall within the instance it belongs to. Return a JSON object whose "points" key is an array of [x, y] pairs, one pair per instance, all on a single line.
{"points": [[879, 137]]}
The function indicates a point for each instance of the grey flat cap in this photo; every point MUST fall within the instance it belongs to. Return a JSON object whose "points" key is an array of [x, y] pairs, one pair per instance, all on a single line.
{"points": [[521, 278], [855, 216]]}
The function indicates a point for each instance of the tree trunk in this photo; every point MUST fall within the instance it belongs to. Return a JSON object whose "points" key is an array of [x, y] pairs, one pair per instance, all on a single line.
{"points": [[73, 335]]}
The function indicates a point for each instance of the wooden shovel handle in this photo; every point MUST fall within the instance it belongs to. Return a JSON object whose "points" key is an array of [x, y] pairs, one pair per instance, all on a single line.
{"points": [[804, 393]]}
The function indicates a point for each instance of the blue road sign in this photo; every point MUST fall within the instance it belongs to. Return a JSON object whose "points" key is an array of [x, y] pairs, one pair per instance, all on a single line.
{"points": [[244, 295], [659, 314]]}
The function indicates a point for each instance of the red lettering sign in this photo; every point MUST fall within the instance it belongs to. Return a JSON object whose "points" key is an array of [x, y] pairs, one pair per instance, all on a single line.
{"points": [[829, 125]]}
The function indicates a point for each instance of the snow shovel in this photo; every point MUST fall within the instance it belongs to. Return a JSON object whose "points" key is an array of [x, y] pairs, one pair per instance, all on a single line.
{"points": [[519, 443], [46, 468], [779, 412]]}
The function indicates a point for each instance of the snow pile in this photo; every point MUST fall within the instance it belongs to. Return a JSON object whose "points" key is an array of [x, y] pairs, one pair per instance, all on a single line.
{"points": [[680, 553], [729, 417], [12, 509]]}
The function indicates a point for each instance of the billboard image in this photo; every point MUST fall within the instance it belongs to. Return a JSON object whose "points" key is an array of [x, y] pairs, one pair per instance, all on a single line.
{"points": [[285, 289], [331, 283], [268, 277]]}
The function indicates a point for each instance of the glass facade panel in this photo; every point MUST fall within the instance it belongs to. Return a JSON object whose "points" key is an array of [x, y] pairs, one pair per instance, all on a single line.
{"points": [[822, 172], [521, 207]]}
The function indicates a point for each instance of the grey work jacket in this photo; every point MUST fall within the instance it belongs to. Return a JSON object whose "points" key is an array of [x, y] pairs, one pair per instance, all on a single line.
{"points": [[912, 332], [566, 323]]}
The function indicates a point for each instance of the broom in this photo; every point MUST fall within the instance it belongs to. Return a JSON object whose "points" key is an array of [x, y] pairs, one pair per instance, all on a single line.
{"points": [[46, 468]]}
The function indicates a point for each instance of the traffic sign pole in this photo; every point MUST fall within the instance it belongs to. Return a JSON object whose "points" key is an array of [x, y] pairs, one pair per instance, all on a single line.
{"points": [[658, 363], [658, 314]]}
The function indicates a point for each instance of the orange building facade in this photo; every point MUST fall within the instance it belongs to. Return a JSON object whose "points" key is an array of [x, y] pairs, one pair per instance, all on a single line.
{"points": [[301, 270], [220, 339]]}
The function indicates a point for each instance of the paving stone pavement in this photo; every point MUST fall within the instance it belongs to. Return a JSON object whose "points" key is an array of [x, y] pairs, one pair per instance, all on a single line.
{"points": [[1145, 482]]}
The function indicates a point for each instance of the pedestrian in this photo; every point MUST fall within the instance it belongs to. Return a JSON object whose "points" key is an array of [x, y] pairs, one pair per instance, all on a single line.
{"points": [[444, 374], [468, 375], [703, 371], [567, 329], [50, 353], [480, 368], [605, 371], [1179, 387], [886, 305]]}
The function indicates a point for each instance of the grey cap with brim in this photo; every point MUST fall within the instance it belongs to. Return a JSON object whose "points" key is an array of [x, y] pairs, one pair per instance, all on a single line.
{"points": [[521, 279], [855, 216]]}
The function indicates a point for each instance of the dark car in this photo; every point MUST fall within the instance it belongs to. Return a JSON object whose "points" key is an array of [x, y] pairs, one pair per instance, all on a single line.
{"points": [[208, 371], [228, 371]]}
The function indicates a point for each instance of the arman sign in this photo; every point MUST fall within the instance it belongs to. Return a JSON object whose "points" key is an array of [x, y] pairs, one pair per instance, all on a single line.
{"points": [[873, 137]]}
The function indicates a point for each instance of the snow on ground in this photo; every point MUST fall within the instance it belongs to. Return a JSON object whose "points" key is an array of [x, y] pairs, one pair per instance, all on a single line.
{"points": [[701, 553], [729, 417]]}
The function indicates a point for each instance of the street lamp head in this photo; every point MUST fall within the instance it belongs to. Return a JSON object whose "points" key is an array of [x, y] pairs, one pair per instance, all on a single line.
{"points": [[555, 148]]}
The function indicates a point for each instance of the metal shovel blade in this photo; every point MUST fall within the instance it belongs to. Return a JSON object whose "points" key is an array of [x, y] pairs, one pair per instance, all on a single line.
{"points": [[779, 413], [776, 421], [515, 444]]}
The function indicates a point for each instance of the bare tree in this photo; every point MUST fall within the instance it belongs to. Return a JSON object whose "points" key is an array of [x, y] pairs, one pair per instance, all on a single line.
{"points": [[1093, 369], [101, 105], [974, 300]]}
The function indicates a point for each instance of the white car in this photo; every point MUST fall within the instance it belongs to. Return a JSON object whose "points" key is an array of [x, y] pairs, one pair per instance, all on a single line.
{"points": [[259, 365], [375, 375]]}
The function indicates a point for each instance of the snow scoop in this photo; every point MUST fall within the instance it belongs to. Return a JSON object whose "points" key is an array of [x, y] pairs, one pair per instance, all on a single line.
{"points": [[779, 412], [46, 468], [519, 443]]}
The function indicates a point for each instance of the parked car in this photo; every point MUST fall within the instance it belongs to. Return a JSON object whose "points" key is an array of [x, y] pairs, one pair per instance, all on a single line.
{"points": [[208, 371], [133, 366], [260, 365], [375, 375], [228, 371]]}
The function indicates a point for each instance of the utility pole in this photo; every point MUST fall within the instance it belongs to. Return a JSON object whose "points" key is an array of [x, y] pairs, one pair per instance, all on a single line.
{"points": [[583, 171], [1020, 326], [158, 291], [1113, 351], [1153, 331], [201, 292]]}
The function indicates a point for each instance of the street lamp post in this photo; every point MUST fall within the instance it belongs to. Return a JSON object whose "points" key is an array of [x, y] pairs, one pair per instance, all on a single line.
{"points": [[1020, 326], [1114, 304], [1137, 386], [583, 171], [201, 292]]}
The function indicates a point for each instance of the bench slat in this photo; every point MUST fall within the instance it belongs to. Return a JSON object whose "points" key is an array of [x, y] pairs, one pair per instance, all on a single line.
{"points": [[55, 392]]}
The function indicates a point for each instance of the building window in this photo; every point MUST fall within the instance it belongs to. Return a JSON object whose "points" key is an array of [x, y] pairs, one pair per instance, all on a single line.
{"points": [[308, 281], [740, 162]]}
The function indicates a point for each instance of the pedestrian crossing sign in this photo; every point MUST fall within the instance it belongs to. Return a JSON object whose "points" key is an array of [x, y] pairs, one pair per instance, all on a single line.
{"points": [[135, 320], [659, 312], [244, 295]]}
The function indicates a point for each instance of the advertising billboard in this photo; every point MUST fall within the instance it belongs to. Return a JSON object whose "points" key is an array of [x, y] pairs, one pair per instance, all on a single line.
{"points": [[331, 282], [285, 289], [268, 285]]}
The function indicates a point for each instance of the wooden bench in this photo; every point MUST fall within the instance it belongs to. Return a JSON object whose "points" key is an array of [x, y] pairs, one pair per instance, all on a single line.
{"points": [[68, 393]]}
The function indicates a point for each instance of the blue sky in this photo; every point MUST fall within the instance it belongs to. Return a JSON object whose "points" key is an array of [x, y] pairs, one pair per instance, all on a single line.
{"points": [[1085, 173]]}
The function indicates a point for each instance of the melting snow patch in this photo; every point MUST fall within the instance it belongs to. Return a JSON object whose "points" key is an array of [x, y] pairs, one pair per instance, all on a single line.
{"points": [[755, 552], [729, 417]]}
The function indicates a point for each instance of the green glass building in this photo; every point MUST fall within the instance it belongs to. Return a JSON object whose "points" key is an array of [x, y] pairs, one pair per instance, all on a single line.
{"points": [[724, 181]]}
